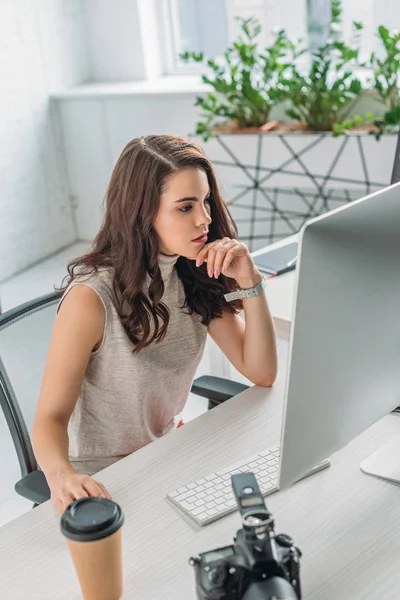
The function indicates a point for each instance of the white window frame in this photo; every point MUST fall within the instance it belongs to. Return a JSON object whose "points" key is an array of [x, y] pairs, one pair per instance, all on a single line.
{"points": [[167, 23]]}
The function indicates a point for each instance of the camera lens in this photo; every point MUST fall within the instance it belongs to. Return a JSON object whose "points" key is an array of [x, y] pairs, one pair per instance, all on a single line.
{"points": [[217, 576], [275, 587]]}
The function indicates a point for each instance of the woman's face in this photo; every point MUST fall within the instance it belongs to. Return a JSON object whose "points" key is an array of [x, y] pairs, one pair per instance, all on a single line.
{"points": [[184, 213]]}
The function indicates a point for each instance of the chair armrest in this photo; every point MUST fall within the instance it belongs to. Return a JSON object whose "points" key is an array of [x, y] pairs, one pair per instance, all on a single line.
{"points": [[33, 487], [217, 389]]}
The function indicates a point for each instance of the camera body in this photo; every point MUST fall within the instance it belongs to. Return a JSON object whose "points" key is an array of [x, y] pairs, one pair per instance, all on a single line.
{"points": [[259, 565]]}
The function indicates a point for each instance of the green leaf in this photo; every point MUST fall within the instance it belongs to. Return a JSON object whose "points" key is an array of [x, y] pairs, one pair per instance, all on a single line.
{"points": [[355, 86], [383, 32], [392, 117], [293, 114]]}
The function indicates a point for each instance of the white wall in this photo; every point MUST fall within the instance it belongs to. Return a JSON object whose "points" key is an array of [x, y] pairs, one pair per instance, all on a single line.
{"points": [[42, 47], [97, 129], [122, 39], [98, 121], [114, 40]]}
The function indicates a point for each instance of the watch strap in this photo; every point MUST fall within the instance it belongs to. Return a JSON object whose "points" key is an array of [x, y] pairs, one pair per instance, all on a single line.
{"points": [[248, 293]]}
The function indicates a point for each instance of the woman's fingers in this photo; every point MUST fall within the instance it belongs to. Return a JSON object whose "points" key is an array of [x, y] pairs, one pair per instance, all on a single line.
{"points": [[73, 488], [221, 254], [214, 254], [92, 488], [79, 492], [103, 489], [230, 255], [204, 252], [66, 500], [58, 505]]}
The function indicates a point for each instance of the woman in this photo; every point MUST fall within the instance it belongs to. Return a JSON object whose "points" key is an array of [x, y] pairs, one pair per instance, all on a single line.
{"points": [[132, 323]]}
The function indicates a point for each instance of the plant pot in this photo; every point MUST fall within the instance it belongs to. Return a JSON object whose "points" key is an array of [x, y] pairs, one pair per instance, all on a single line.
{"points": [[274, 182]]}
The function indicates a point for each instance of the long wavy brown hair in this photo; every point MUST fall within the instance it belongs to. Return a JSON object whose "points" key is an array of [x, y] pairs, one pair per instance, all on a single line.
{"points": [[128, 244]]}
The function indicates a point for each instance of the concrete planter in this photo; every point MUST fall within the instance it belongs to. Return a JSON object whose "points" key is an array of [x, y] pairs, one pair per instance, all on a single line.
{"points": [[274, 182]]}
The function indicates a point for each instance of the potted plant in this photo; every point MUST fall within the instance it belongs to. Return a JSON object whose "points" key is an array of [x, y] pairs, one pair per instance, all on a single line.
{"points": [[246, 83], [386, 71], [278, 172], [320, 98]]}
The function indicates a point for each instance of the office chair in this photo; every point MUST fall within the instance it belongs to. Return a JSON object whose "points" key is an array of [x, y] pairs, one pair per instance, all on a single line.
{"points": [[24, 338]]}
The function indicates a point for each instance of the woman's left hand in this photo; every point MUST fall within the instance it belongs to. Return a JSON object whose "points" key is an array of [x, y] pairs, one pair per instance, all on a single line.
{"points": [[231, 258]]}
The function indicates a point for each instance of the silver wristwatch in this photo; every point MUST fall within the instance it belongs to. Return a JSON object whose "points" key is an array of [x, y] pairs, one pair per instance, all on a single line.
{"points": [[249, 293]]}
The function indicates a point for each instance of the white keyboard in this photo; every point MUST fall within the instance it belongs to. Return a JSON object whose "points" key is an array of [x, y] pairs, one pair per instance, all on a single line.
{"points": [[211, 497]]}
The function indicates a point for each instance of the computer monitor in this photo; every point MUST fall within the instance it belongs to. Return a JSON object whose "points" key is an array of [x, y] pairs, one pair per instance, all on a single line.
{"points": [[396, 165], [344, 351]]}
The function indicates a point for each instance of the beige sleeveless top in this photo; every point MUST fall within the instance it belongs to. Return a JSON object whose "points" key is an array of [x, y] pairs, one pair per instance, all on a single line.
{"points": [[126, 401]]}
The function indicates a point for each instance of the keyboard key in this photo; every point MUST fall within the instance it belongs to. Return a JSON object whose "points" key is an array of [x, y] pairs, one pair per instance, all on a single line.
{"points": [[197, 511], [220, 501], [262, 473], [253, 465], [184, 496], [203, 515], [267, 486], [235, 472], [265, 453], [212, 511]]}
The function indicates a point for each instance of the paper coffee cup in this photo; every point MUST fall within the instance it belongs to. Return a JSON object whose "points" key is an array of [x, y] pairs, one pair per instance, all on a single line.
{"points": [[92, 527]]}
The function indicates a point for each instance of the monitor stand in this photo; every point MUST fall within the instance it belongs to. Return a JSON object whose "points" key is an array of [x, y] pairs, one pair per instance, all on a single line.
{"points": [[385, 462]]}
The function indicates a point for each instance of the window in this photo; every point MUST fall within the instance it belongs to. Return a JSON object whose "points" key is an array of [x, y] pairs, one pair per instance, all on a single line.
{"points": [[194, 25], [210, 25]]}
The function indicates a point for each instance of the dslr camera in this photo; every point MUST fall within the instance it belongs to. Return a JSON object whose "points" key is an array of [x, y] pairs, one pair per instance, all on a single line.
{"points": [[259, 565]]}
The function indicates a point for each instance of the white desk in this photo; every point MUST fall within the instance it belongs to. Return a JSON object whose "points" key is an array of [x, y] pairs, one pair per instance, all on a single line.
{"points": [[345, 522]]}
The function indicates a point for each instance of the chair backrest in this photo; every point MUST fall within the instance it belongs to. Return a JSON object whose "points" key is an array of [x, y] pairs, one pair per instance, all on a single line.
{"points": [[24, 338], [396, 165]]}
